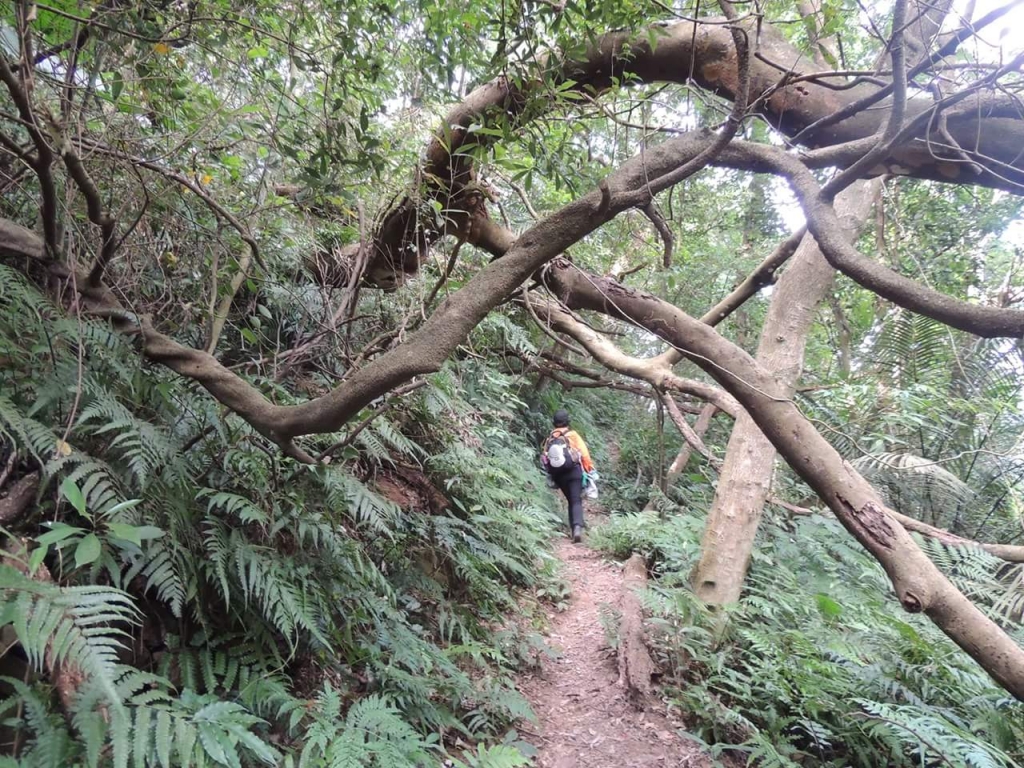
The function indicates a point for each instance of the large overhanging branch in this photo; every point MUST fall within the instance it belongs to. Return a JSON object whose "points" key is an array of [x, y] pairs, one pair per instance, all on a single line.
{"points": [[653, 370], [986, 129], [824, 224], [634, 184], [919, 585]]}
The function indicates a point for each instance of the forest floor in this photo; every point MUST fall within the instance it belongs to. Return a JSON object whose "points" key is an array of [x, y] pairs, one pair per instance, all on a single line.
{"points": [[586, 719]]}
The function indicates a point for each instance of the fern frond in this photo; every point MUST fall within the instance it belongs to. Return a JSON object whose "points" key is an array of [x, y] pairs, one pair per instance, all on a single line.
{"points": [[915, 486], [74, 626]]}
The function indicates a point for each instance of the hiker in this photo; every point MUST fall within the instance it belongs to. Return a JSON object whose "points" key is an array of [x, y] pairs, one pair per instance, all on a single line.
{"points": [[566, 457]]}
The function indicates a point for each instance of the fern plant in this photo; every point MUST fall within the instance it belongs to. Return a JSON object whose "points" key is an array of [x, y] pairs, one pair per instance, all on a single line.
{"points": [[817, 664], [207, 590]]}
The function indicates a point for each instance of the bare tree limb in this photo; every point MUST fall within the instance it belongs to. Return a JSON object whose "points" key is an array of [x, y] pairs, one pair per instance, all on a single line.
{"points": [[764, 274], [194, 187], [822, 222], [675, 469], [1010, 552], [97, 212], [545, 327], [652, 370], [42, 164], [689, 434], [412, 386]]}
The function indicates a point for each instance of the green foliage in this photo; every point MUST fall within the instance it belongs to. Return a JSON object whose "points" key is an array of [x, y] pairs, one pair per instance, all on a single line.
{"points": [[932, 418], [996, 586], [372, 732], [818, 664], [204, 591], [495, 756], [68, 626]]}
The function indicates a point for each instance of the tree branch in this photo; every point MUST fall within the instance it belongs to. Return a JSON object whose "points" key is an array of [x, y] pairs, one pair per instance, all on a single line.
{"points": [[652, 370], [651, 212], [426, 350], [98, 214], [763, 274], [822, 222], [43, 161], [712, 53], [919, 585], [689, 435]]}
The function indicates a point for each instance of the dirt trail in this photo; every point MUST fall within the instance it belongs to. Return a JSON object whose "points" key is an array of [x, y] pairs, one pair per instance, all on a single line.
{"points": [[586, 720]]}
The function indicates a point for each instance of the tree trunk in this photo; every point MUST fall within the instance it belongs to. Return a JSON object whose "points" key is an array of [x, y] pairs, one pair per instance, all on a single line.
{"points": [[746, 476]]}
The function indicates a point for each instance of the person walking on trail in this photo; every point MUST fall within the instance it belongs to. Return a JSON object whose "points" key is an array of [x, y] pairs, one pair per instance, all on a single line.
{"points": [[566, 458]]}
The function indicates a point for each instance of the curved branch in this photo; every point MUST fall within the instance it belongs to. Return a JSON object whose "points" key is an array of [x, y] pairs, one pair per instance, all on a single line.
{"points": [[651, 212], [824, 224], [688, 433], [707, 52], [195, 188], [652, 370], [948, 48], [545, 327], [97, 213], [426, 350], [918, 583], [42, 164]]}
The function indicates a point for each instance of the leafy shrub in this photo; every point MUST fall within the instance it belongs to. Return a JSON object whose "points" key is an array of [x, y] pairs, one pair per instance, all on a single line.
{"points": [[220, 605], [818, 664]]}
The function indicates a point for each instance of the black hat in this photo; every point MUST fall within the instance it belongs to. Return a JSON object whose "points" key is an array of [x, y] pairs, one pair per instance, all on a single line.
{"points": [[561, 418]]}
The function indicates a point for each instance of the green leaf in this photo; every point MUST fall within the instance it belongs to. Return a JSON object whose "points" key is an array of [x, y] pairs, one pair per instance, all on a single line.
{"points": [[58, 532], [116, 86], [125, 532], [217, 745], [163, 739], [88, 550], [123, 506], [828, 607], [70, 491], [36, 559]]}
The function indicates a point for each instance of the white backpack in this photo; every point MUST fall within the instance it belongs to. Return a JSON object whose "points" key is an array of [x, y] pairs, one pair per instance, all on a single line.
{"points": [[559, 456]]}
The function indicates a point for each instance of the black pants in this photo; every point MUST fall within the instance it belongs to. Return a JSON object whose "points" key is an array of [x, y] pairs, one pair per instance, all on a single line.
{"points": [[571, 485]]}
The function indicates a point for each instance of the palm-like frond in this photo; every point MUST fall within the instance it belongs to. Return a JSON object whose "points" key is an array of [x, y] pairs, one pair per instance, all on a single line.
{"points": [[915, 486]]}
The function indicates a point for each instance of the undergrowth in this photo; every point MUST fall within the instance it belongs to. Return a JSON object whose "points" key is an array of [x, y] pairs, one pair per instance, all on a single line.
{"points": [[818, 665], [183, 595]]}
